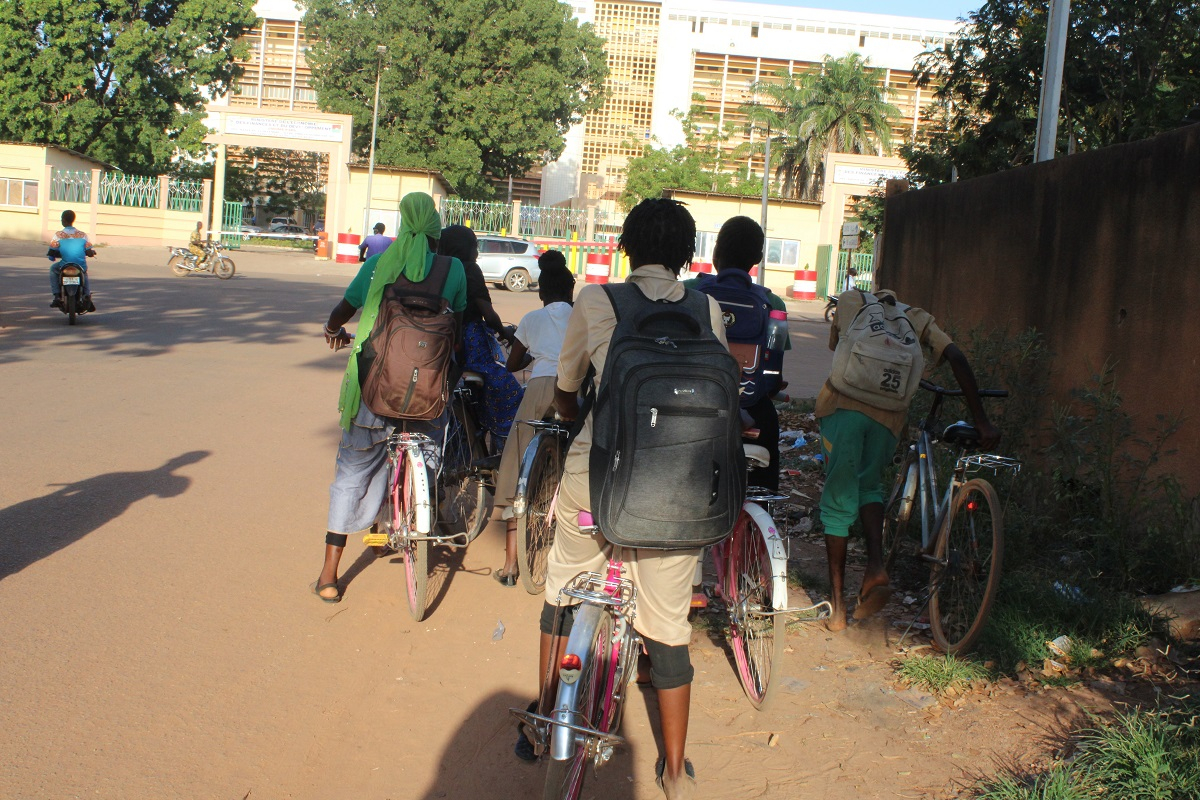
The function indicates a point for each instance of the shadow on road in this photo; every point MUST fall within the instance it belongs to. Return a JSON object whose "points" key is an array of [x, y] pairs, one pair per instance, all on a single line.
{"points": [[34, 529], [479, 760]]}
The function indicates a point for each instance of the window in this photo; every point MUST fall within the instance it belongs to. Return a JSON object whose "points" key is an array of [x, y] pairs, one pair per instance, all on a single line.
{"points": [[783, 253], [15, 192], [493, 246], [754, 31]]}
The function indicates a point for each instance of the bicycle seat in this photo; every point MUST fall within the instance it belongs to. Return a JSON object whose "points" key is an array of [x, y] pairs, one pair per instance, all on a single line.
{"points": [[470, 378], [962, 434], [757, 456]]}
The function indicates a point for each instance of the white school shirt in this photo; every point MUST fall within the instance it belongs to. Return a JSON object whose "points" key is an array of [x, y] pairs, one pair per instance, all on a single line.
{"points": [[542, 333]]}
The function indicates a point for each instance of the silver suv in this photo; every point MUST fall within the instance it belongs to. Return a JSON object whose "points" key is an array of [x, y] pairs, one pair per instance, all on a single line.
{"points": [[509, 261]]}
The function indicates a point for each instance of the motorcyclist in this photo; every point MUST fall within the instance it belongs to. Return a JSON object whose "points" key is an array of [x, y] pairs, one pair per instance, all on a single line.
{"points": [[198, 246], [69, 246]]}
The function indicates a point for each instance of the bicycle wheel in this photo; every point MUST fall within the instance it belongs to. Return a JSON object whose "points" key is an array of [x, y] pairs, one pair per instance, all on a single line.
{"points": [[757, 638], [402, 505], [897, 512], [590, 700], [465, 506], [969, 553], [535, 528]]}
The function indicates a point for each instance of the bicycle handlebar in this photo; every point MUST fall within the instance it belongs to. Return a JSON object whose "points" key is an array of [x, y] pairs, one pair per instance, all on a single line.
{"points": [[932, 387]]}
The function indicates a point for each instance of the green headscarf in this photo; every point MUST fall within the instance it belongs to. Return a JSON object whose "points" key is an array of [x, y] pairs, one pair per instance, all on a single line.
{"points": [[407, 255]]}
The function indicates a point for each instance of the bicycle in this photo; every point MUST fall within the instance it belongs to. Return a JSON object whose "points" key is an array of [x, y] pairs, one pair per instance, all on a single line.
{"points": [[962, 534], [594, 673], [534, 501], [751, 568], [467, 466]]}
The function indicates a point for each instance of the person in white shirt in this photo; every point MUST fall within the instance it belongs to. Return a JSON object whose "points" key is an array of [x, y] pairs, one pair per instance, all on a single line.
{"points": [[535, 346]]}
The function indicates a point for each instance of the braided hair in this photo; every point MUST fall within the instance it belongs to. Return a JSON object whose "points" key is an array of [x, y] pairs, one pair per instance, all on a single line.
{"points": [[659, 231], [739, 244]]}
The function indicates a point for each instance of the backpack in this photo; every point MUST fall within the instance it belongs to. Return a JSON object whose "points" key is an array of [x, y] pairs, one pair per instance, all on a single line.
{"points": [[878, 359], [667, 469], [746, 312], [405, 361]]}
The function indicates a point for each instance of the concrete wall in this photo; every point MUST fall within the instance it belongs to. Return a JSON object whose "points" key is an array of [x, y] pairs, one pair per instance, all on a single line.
{"points": [[1100, 251], [25, 163], [129, 226], [388, 187]]}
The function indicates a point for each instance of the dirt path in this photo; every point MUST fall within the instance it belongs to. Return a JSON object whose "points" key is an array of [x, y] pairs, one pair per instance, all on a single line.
{"points": [[162, 501]]}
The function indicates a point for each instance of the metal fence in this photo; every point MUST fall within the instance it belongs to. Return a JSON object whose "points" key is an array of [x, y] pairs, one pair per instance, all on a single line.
{"points": [[132, 191], [864, 264], [184, 195], [71, 186], [477, 215], [536, 222]]}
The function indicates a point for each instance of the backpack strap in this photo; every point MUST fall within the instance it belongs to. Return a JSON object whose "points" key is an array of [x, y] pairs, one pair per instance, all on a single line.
{"points": [[439, 272]]}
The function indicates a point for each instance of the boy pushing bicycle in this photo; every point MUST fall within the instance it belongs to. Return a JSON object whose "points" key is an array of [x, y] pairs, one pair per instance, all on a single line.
{"points": [[879, 346]]}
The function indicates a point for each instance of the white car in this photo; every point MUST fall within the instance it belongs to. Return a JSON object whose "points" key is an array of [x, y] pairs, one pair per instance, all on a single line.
{"points": [[249, 230], [509, 261], [277, 222]]}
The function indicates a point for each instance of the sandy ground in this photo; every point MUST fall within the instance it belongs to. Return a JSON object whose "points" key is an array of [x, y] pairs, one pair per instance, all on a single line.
{"points": [[162, 501]]}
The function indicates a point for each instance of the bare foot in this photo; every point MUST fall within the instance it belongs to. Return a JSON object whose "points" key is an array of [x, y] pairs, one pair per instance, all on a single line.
{"points": [[837, 619]]}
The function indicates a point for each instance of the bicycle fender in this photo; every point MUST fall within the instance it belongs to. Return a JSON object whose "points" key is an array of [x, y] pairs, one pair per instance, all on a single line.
{"points": [[424, 513], [562, 740], [519, 499], [774, 541]]}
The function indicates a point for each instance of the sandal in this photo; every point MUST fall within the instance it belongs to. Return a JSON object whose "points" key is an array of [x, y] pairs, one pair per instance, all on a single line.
{"points": [[316, 589], [524, 748], [505, 578], [682, 789]]}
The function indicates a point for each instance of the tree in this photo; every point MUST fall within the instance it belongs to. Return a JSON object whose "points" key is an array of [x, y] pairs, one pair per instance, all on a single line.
{"points": [[696, 165], [125, 83], [284, 180], [842, 108], [471, 87], [1131, 71]]}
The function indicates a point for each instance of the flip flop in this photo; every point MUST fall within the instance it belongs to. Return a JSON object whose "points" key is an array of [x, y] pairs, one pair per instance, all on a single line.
{"points": [[317, 591], [505, 578], [872, 602]]}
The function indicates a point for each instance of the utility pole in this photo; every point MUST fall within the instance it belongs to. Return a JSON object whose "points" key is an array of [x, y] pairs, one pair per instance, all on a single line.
{"points": [[380, 50], [761, 279], [1057, 24]]}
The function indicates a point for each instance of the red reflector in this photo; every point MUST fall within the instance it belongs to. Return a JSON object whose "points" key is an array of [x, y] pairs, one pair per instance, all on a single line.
{"points": [[972, 505], [571, 661]]}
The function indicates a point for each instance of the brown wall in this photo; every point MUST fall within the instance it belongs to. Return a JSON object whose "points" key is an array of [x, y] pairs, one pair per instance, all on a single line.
{"points": [[1100, 251]]}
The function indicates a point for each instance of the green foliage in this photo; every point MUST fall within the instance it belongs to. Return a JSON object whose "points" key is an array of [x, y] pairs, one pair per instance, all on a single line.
{"points": [[472, 88], [1139, 755], [939, 673], [122, 82], [695, 165], [840, 108], [1129, 74]]}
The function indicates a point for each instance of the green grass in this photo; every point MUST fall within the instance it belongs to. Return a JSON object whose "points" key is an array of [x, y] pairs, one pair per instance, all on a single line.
{"points": [[1101, 623], [939, 673], [295, 244], [1140, 755]]}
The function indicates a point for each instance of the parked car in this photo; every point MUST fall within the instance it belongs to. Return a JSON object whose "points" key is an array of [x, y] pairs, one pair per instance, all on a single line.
{"points": [[277, 221], [290, 231], [250, 230], [509, 261]]}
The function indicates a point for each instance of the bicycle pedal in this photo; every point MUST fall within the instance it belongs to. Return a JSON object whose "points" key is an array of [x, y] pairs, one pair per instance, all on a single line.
{"points": [[375, 539], [699, 600]]}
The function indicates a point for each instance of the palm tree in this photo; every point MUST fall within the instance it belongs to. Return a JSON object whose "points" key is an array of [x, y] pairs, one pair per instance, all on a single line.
{"points": [[842, 109]]}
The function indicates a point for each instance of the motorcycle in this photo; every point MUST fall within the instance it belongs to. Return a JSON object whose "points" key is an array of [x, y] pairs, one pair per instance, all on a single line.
{"points": [[830, 306], [184, 262], [70, 289]]}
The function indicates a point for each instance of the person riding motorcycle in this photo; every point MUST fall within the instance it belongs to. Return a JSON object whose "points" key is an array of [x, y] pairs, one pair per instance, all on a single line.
{"points": [[69, 246], [198, 246]]}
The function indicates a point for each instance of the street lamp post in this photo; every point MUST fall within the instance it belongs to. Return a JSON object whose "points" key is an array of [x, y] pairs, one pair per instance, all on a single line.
{"points": [[1057, 24], [380, 50], [762, 268]]}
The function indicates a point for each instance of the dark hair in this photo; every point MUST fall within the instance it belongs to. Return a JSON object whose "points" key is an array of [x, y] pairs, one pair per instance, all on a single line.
{"points": [[659, 231], [68, 218], [379, 227], [739, 244], [556, 282], [458, 241]]}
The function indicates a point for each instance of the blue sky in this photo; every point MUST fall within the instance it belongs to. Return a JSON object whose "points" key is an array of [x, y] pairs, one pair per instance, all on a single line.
{"points": [[930, 9]]}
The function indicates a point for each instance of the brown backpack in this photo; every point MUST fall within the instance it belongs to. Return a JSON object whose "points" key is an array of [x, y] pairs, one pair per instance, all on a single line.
{"points": [[404, 364]]}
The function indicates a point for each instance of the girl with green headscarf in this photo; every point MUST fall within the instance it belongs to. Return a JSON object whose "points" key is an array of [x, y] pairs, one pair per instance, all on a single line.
{"points": [[358, 486]]}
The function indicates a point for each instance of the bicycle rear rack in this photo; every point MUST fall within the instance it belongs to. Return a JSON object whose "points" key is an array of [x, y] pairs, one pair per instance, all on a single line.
{"points": [[977, 462], [592, 587]]}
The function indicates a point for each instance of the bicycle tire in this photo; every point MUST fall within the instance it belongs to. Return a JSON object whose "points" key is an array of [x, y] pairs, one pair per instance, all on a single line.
{"points": [[402, 506], [895, 519], [465, 506], [965, 587], [535, 528], [592, 639], [757, 640]]}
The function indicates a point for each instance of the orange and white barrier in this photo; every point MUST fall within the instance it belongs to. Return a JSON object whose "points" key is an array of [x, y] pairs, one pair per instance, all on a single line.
{"points": [[347, 248], [805, 285], [598, 267], [699, 268]]}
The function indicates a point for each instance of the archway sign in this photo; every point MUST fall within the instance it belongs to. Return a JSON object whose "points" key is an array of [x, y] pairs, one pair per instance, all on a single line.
{"points": [[282, 130]]}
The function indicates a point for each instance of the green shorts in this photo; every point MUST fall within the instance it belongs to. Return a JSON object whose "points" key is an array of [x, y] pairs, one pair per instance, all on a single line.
{"points": [[856, 450]]}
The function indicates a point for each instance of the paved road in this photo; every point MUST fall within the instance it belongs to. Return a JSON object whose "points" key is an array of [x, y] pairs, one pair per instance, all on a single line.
{"points": [[162, 501]]}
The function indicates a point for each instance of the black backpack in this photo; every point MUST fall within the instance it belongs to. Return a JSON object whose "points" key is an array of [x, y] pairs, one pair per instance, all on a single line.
{"points": [[667, 469], [745, 310]]}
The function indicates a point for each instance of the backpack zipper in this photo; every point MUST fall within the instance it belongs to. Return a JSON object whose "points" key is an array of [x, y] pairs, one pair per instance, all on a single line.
{"points": [[680, 412], [412, 385]]}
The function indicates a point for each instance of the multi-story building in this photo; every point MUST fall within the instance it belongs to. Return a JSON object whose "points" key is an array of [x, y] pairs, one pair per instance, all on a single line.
{"points": [[661, 54]]}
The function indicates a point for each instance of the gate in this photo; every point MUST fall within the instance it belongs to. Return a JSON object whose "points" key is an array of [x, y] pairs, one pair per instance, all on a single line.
{"points": [[231, 225]]}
